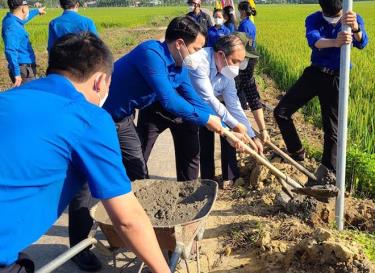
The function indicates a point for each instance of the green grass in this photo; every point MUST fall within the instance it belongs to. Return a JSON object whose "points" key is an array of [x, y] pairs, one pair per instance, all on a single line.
{"points": [[365, 240], [285, 53], [104, 18]]}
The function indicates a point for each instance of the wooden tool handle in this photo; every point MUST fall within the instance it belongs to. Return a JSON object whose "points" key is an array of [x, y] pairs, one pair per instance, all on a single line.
{"points": [[230, 137]]}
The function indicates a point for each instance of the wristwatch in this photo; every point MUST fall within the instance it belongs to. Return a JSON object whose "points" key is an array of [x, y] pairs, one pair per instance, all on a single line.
{"points": [[358, 30]]}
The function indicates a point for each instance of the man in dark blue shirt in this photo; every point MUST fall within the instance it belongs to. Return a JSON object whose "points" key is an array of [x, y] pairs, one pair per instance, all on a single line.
{"points": [[17, 46], [55, 137], [80, 222], [155, 74], [195, 12], [321, 78], [69, 22]]}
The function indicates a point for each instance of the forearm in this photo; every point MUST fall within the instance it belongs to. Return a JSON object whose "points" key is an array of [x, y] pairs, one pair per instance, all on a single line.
{"points": [[358, 36], [135, 229], [259, 119], [325, 43], [140, 236]]}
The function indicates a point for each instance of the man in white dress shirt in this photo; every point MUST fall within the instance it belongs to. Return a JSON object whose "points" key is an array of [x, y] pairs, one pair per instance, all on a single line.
{"points": [[214, 81]]}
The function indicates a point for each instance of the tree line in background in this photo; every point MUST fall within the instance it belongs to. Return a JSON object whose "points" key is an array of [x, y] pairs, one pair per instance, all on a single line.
{"points": [[133, 3]]}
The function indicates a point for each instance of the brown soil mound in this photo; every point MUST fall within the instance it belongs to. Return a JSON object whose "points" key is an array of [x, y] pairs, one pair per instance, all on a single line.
{"points": [[170, 203], [323, 253]]}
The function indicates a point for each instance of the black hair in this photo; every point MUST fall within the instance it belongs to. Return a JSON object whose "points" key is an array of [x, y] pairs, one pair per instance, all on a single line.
{"points": [[185, 28], [227, 44], [330, 7], [228, 11], [217, 10], [68, 4], [79, 55], [245, 6]]}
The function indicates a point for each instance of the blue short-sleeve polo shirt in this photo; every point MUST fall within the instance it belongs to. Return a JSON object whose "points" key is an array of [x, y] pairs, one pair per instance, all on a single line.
{"points": [[53, 141]]}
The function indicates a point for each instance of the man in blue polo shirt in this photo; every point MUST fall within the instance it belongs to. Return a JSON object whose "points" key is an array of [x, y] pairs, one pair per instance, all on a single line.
{"points": [[321, 78], [155, 75], [17, 46], [69, 22], [63, 140], [80, 222]]}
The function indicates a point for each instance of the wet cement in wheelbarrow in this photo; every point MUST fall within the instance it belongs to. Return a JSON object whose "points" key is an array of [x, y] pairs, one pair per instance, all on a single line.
{"points": [[170, 203]]}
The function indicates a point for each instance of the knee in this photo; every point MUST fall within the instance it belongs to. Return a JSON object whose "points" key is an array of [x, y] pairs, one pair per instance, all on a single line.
{"points": [[280, 113]]}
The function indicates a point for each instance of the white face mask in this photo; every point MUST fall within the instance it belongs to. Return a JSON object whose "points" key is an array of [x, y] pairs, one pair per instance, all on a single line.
{"points": [[219, 21], [190, 61], [190, 8], [230, 71], [27, 15], [102, 100], [332, 20], [244, 63]]}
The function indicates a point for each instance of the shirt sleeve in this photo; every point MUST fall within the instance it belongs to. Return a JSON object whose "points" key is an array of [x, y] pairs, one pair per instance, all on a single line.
{"points": [[361, 44], [209, 22], [92, 28], [11, 44], [153, 69], [233, 105], [312, 31], [51, 36], [202, 84], [97, 153], [32, 14]]}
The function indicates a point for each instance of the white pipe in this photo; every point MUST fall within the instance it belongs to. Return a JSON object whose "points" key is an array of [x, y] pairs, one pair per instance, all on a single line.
{"points": [[343, 122]]}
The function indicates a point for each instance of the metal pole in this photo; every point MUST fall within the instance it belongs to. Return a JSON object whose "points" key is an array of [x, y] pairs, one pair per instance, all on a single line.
{"points": [[66, 256], [343, 122]]}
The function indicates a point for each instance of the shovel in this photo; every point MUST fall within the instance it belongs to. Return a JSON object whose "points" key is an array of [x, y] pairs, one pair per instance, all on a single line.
{"points": [[288, 158], [321, 193]]}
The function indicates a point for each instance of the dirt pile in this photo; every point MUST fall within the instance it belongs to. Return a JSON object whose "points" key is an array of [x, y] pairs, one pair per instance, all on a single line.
{"points": [[169, 203], [323, 253], [262, 191]]}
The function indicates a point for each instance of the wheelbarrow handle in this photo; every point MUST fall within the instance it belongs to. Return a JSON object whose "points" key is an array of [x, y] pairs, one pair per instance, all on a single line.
{"points": [[230, 137], [288, 158], [66, 256]]}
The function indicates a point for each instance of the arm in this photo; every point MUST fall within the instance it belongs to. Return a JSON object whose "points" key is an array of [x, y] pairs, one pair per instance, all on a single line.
{"points": [[154, 71], [92, 27], [97, 154], [32, 14], [11, 43], [233, 104], [51, 36], [315, 40], [357, 24], [135, 229], [202, 84], [209, 22]]}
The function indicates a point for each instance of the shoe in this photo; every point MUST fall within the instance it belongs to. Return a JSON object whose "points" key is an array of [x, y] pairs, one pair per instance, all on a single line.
{"points": [[87, 261], [227, 184], [298, 156]]}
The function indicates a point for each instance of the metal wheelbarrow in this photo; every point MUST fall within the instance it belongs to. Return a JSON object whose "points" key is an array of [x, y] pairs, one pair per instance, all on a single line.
{"points": [[181, 239]]}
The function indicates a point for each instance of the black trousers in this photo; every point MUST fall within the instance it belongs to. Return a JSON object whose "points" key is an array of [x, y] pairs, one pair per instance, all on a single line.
{"points": [[23, 265], [312, 83], [131, 149], [247, 89], [28, 73], [152, 121], [229, 165], [80, 221]]}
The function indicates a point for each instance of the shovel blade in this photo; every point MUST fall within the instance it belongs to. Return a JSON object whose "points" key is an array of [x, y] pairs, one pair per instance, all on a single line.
{"points": [[319, 192]]}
